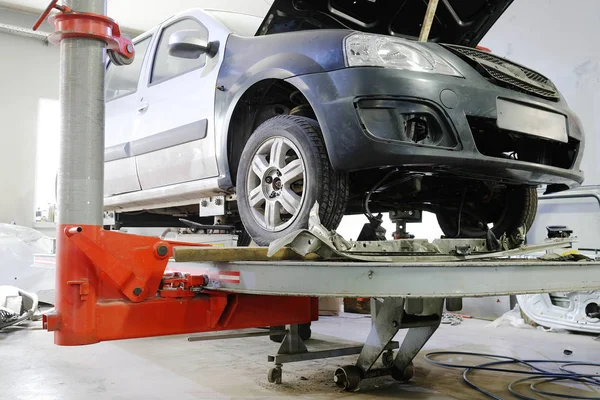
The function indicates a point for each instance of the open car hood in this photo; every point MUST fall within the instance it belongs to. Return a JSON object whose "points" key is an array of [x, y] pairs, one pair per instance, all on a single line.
{"points": [[462, 22]]}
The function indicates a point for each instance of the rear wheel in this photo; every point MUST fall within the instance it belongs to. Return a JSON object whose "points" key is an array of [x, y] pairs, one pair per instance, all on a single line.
{"points": [[506, 211], [284, 169]]}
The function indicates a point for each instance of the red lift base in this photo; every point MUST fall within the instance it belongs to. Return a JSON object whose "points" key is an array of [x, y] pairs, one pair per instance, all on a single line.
{"points": [[112, 286]]}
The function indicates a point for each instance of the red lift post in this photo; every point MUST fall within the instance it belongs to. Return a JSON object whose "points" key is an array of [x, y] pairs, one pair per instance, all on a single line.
{"points": [[111, 285]]}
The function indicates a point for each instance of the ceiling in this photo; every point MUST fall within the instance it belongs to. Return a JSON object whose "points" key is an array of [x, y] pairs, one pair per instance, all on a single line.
{"points": [[141, 15]]}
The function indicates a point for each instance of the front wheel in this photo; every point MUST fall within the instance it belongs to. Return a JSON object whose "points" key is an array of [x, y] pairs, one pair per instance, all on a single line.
{"points": [[506, 211], [284, 169]]}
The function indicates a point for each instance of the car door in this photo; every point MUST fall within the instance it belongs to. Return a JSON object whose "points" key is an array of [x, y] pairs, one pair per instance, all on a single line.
{"points": [[122, 98], [175, 142]]}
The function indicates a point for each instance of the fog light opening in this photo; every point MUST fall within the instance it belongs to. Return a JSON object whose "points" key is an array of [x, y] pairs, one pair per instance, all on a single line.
{"points": [[416, 129]]}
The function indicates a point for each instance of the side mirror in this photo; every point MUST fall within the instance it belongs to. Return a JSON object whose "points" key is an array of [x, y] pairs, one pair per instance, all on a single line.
{"points": [[190, 44]]}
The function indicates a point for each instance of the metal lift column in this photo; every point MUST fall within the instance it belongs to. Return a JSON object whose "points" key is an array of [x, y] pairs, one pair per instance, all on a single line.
{"points": [[80, 176]]}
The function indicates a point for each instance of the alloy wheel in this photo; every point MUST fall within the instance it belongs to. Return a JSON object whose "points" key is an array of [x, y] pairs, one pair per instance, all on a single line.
{"points": [[275, 183]]}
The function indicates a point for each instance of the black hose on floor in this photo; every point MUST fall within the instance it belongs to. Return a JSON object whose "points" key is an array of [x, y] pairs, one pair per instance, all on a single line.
{"points": [[536, 374]]}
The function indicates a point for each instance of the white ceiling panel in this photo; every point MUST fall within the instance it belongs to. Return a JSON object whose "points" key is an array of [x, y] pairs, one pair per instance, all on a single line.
{"points": [[141, 15]]}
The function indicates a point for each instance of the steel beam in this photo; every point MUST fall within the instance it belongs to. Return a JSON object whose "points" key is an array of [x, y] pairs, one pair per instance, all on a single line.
{"points": [[400, 279]]}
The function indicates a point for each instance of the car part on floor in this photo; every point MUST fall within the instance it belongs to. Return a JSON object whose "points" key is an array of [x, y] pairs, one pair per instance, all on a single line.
{"points": [[563, 374], [19, 247], [575, 311], [283, 170], [16, 306], [580, 208]]}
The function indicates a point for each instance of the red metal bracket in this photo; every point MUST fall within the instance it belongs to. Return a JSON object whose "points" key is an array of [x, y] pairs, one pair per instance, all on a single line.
{"points": [[84, 288], [135, 264], [72, 24]]}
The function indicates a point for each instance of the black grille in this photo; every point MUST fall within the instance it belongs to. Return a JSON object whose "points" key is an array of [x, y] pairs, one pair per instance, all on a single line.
{"points": [[507, 74], [521, 86], [494, 142]]}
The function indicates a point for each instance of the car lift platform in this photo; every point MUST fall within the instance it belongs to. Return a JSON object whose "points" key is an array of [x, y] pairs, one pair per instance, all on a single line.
{"points": [[404, 295], [112, 285]]}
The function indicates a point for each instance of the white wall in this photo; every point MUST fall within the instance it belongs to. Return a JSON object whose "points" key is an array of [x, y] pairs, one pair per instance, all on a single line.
{"points": [[559, 38], [28, 72]]}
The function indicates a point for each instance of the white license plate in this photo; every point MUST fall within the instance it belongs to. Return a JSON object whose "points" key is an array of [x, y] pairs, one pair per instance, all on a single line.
{"points": [[531, 121]]}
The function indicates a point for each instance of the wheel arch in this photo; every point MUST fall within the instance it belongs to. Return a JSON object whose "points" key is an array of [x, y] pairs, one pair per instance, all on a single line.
{"points": [[244, 115]]}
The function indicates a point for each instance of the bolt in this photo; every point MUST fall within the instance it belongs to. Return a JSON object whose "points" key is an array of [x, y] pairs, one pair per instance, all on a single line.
{"points": [[278, 173], [410, 213], [395, 324], [137, 291], [162, 250], [268, 179], [130, 48], [204, 203], [217, 202], [272, 195]]}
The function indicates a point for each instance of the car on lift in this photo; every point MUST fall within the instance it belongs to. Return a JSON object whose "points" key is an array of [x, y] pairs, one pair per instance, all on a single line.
{"points": [[336, 102]]}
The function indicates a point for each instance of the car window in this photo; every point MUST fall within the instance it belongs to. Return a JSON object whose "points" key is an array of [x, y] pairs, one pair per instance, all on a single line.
{"points": [[123, 80], [166, 66]]}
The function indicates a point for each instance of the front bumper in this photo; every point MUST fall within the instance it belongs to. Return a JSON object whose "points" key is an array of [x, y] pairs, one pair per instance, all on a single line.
{"points": [[357, 139]]}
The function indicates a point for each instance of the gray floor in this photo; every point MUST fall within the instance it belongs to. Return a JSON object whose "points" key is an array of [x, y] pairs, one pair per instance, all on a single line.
{"points": [[173, 368]]}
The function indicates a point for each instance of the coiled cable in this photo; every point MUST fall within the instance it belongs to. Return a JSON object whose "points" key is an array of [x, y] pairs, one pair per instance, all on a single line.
{"points": [[537, 374]]}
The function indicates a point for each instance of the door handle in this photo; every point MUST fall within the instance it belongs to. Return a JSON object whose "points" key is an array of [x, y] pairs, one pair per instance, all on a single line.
{"points": [[143, 108]]}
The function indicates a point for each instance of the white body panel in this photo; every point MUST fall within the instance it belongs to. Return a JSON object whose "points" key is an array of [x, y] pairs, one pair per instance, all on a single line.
{"points": [[178, 194], [120, 176], [169, 165], [177, 102], [122, 121]]}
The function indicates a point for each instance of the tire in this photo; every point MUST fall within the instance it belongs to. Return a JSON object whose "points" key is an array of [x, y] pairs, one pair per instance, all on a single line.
{"points": [[289, 153], [519, 207], [244, 238]]}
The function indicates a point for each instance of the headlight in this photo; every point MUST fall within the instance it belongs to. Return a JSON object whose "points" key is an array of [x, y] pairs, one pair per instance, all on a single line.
{"points": [[390, 52]]}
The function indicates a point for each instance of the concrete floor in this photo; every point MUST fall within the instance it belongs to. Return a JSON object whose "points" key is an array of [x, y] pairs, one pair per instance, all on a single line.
{"points": [[173, 368]]}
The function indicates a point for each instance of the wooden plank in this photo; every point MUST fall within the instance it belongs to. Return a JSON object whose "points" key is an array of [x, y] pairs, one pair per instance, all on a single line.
{"points": [[225, 254]]}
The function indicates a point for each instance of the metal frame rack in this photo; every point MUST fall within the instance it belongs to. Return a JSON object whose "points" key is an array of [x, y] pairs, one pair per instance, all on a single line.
{"points": [[112, 286]]}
